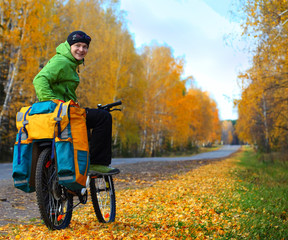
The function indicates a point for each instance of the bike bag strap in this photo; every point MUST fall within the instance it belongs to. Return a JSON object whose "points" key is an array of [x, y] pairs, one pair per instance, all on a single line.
{"points": [[58, 119], [25, 122]]}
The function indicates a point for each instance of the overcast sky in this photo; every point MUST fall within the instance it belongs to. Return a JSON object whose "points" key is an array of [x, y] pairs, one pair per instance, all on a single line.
{"points": [[196, 30]]}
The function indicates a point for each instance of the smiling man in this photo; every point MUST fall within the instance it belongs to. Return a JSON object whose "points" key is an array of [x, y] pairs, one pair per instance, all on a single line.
{"points": [[59, 80]]}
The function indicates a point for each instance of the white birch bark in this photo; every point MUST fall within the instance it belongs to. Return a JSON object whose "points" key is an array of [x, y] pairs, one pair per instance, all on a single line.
{"points": [[13, 71]]}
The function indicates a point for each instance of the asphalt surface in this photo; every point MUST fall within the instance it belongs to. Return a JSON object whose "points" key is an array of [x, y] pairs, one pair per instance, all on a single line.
{"points": [[225, 151]]}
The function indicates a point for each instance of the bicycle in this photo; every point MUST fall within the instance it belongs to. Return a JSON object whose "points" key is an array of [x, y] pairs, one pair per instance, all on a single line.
{"points": [[55, 201]]}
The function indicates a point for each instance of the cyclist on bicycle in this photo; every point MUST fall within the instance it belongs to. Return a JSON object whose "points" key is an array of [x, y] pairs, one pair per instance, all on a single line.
{"points": [[59, 80]]}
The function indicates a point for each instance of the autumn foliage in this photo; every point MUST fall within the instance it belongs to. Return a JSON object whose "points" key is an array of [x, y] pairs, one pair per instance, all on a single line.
{"points": [[160, 112], [263, 106]]}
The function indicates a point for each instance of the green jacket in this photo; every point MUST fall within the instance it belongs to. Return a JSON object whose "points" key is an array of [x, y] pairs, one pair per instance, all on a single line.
{"points": [[59, 78]]}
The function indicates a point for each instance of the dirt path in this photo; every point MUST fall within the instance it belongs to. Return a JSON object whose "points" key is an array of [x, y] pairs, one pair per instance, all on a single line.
{"points": [[20, 208]]}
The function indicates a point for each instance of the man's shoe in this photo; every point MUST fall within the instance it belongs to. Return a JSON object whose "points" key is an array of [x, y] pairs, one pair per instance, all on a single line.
{"points": [[102, 170]]}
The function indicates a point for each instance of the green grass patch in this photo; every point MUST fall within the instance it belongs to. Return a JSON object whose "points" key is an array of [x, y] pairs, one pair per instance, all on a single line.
{"points": [[262, 196]]}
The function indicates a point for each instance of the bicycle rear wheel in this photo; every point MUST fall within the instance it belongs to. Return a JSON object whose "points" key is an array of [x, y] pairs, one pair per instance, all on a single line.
{"points": [[103, 198], [54, 202]]}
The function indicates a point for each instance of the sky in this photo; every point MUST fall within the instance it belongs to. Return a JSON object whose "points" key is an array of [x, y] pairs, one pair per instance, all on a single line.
{"points": [[196, 30]]}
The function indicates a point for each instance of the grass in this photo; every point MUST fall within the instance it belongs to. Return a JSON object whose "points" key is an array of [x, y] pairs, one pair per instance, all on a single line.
{"points": [[262, 194]]}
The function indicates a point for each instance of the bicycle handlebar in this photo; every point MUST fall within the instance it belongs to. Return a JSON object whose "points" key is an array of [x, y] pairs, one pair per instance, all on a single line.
{"points": [[108, 107]]}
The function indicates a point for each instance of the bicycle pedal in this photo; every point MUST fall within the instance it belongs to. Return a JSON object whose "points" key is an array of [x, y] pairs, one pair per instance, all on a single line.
{"points": [[83, 191], [88, 181]]}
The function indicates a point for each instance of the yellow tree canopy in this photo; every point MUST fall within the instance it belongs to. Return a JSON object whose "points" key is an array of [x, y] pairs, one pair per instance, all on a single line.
{"points": [[263, 106], [157, 107]]}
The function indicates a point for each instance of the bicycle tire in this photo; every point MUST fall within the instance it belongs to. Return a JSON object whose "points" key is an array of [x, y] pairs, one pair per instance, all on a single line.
{"points": [[54, 202], [103, 198]]}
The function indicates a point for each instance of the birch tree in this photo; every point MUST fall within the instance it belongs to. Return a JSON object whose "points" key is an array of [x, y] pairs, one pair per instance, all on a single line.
{"points": [[24, 46], [265, 88]]}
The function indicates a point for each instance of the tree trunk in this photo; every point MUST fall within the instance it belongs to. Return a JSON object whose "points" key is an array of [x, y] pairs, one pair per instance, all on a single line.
{"points": [[144, 142], [13, 71], [267, 144]]}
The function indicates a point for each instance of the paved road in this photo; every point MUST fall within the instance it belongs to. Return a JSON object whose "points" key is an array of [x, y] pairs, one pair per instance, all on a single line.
{"points": [[225, 151]]}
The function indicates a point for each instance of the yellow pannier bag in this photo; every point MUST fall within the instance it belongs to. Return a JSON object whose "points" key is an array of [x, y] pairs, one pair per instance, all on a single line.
{"points": [[41, 119], [72, 151], [62, 124]]}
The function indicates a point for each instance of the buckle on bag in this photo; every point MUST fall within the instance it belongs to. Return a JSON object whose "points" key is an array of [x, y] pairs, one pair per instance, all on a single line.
{"points": [[57, 119]]}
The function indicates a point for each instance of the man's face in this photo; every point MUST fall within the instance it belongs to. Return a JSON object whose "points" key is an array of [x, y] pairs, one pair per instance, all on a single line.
{"points": [[79, 50]]}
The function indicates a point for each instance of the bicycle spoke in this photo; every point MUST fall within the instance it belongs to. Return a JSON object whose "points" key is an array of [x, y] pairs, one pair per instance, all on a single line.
{"points": [[54, 204], [102, 193]]}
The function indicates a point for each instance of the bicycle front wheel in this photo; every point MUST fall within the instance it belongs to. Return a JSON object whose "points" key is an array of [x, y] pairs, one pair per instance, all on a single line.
{"points": [[54, 202], [103, 198]]}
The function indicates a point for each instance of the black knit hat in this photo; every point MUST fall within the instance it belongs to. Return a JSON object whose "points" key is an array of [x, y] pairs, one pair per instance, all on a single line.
{"points": [[78, 36]]}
